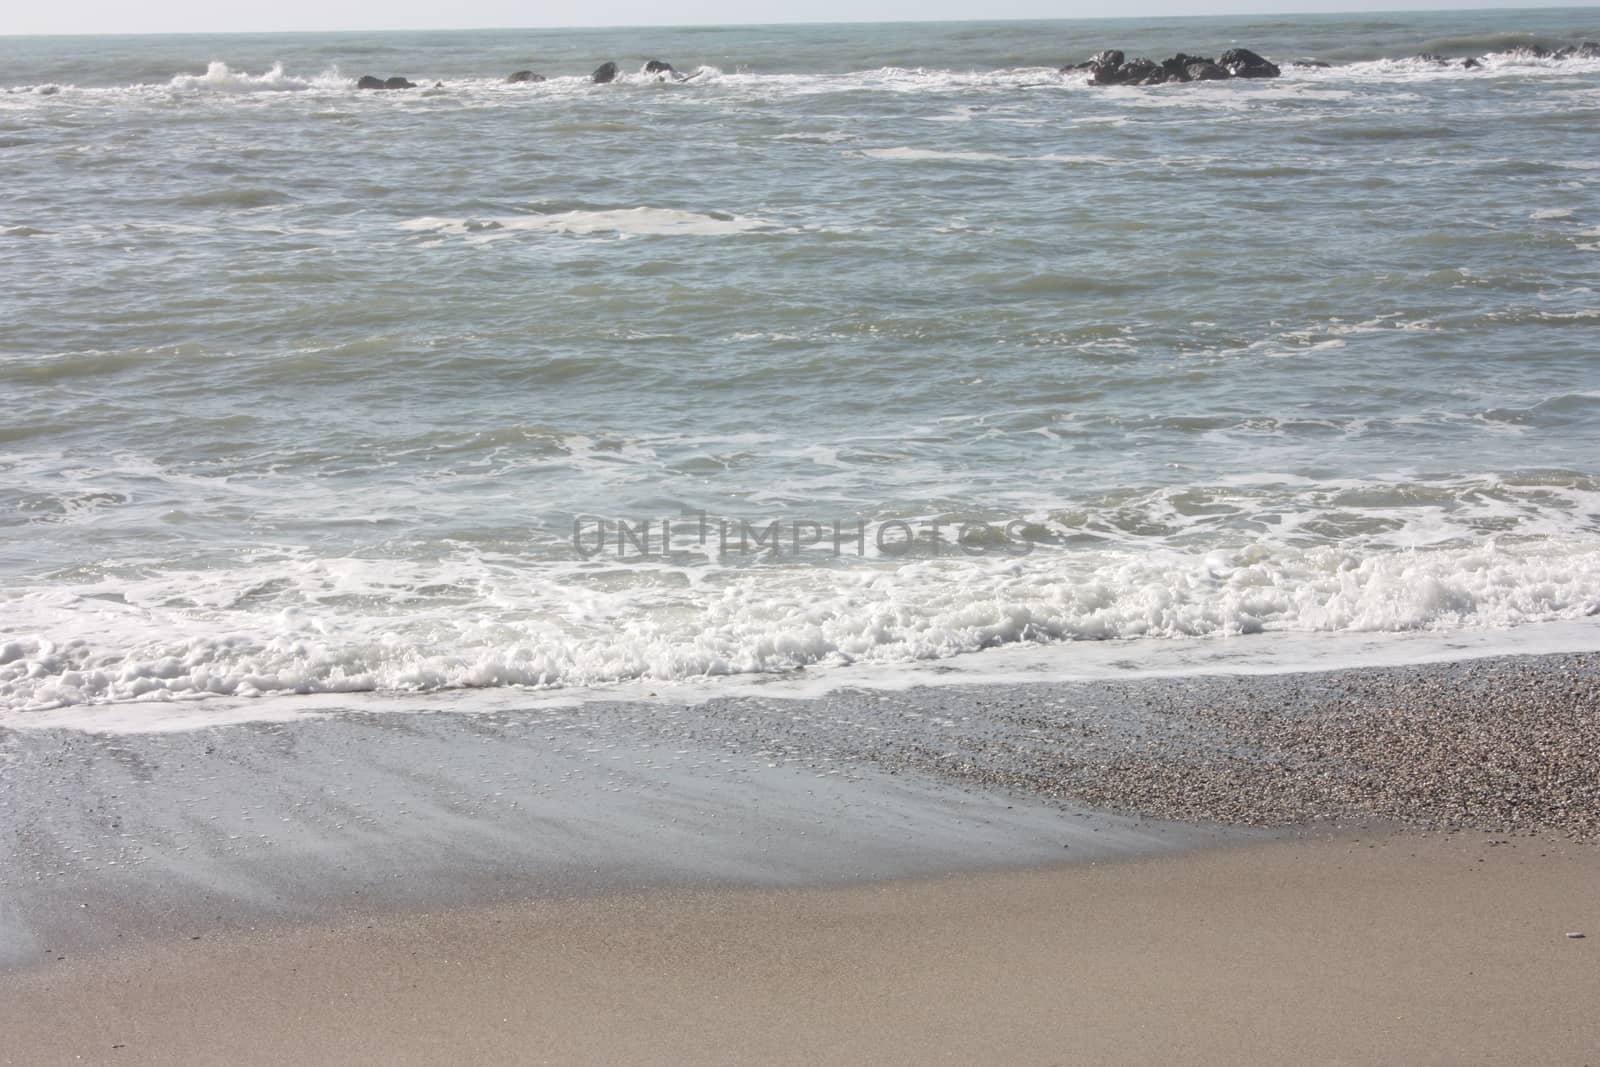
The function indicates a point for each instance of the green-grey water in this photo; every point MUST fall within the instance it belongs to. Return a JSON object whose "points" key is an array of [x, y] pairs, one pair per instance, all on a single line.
{"points": [[309, 389]]}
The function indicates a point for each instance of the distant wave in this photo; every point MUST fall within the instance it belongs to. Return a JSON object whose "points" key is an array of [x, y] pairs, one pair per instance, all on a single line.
{"points": [[1498, 53]]}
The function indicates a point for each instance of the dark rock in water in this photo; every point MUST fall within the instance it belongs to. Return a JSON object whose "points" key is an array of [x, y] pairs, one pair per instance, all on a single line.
{"points": [[605, 72], [1186, 68], [659, 66], [1310, 64], [1109, 60], [1108, 73], [1586, 50], [1530, 51], [1107, 68], [1471, 64], [1204, 71], [1243, 63], [525, 76], [1429, 57], [1111, 68], [1176, 69], [369, 82], [1142, 72]]}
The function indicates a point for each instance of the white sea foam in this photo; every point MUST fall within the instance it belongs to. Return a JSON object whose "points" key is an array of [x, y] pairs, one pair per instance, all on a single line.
{"points": [[909, 153], [221, 78], [289, 626], [623, 222], [931, 153], [1417, 68]]}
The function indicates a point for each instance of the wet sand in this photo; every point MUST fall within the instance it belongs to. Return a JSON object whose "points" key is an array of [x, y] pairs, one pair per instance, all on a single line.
{"points": [[1401, 949], [1050, 872]]}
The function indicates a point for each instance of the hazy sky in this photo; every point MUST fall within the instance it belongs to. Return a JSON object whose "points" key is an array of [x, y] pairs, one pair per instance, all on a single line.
{"points": [[208, 16]]}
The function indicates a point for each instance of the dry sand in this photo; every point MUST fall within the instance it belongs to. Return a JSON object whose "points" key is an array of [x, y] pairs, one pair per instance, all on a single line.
{"points": [[1389, 949]]}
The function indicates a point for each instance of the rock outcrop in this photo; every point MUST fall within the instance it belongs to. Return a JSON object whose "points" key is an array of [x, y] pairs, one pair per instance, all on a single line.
{"points": [[1112, 67], [367, 81], [605, 72], [525, 76]]}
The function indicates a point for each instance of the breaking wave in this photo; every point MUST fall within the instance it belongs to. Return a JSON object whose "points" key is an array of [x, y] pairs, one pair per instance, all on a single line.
{"points": [[354, 625]]}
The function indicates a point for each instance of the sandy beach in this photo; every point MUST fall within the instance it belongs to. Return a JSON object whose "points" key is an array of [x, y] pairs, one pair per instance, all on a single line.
{"points": [[1397, 949], [1361, 866]]}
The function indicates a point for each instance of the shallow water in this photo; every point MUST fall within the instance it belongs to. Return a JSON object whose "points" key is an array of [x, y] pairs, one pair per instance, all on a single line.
{"points": [[306, 387]]}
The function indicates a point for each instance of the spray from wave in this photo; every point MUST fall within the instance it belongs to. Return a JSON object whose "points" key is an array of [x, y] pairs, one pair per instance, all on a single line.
{"points": [[220, 78]]}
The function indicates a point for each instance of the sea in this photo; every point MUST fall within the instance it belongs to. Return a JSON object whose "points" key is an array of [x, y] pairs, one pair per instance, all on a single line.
{"points": [[850, 348]]}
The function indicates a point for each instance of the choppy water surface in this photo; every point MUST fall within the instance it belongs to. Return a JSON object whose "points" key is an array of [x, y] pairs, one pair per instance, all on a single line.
{"points": [[303, 387]]}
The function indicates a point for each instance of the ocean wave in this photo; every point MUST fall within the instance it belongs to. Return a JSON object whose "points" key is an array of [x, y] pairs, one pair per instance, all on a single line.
{"points": [[339, 626]]}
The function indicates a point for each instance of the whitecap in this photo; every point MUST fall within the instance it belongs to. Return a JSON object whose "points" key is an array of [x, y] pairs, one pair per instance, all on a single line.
{"points": [[622, 222]]}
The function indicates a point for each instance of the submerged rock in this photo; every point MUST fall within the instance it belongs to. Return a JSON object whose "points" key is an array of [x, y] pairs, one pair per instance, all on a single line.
{"points": [[1470, 63], [660, 66], [605, 72], [369, 82], [525, 76], [399, 83]]}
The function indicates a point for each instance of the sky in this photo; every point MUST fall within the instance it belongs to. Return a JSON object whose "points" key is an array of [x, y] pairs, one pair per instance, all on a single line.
{"points": [[208, 16]]}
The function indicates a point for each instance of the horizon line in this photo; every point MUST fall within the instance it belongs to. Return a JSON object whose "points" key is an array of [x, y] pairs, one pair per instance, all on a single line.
{"points": [[1576, 5]]}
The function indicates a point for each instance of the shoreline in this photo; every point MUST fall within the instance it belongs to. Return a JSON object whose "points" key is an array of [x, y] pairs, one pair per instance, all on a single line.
{"points": [[1135, 660], [107, 837]]}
